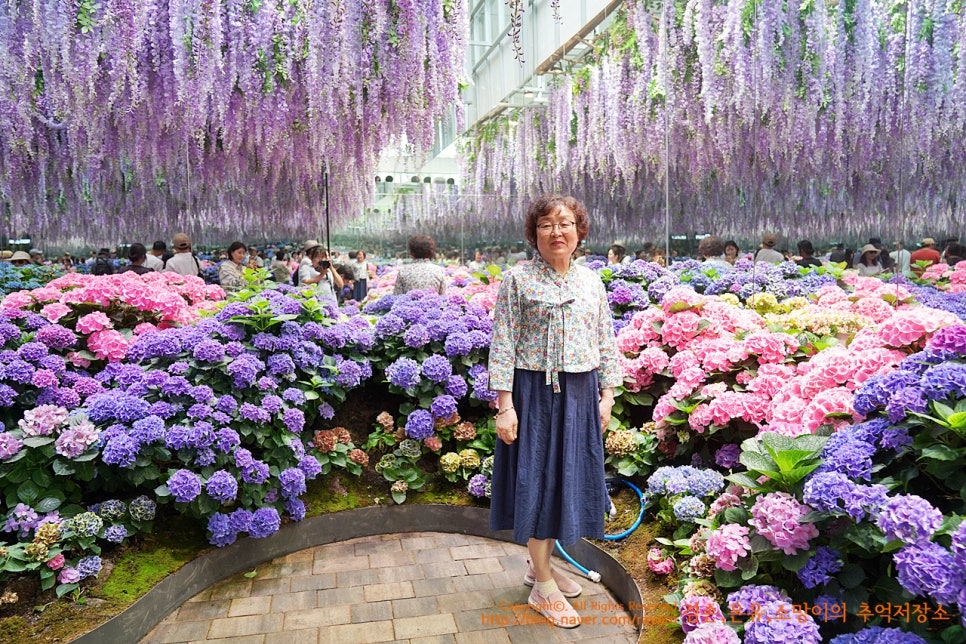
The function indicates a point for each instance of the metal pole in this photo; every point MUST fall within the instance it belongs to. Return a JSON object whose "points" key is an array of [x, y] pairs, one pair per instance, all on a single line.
{"points": [[667, 141], [325, 185]]}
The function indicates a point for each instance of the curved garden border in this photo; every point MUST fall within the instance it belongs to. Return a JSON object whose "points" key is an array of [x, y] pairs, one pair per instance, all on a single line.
{"points": [[138, 619]]}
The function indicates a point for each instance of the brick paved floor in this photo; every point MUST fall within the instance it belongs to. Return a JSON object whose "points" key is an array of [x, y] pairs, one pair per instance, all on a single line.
{"points": [[421, 588]]}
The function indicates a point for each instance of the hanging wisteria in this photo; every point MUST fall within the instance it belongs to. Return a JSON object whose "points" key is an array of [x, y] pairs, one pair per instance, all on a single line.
{"points": [[122, 119], [823, 119]]}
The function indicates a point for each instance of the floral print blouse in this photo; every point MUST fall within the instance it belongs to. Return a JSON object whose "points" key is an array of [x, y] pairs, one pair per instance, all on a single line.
{"points": [[548, 322]]}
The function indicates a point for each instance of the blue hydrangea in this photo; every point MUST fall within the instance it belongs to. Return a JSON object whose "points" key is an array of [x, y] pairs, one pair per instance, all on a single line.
{"points": [[111, 510], [847, 453], [770, 627], [222, 486], [437, 368], [928, 569], [389, 325], [456, 386], [184, 486], [689, 508], [115, 534], [909, 518], [419, 425], [820, 568], [878, 635], [280, 364], [89, 566], [121, 450], [220, 530], [905, 401], [294, 395], [443, 406], [295, 509], [946, 380], [209, 351], [835, 493], [310, 465], [403, 373], [292, 481], [240, 520], [265, 522]]}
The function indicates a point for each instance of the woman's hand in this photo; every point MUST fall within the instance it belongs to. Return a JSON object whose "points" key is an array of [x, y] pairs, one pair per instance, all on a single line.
{"points": [[606, 404], [506, 426]]}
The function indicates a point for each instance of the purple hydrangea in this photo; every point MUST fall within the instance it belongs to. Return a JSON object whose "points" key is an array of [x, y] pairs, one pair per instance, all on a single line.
{"points": [[89, 566], [477, 485], [184, 486], [121, 450], [272, 404], [142, 509], [9, 445], [202, 394], [244, 371], [265, 522], [226, 440], [748, 599], [727, 455], [294, 420], [846, 452], [950, 338], [443, 406], [458, 344], [403, 373], [310, 465], [416, 336], [219, 528], [388, 325], [820, 568], [208, 351], [280, 364], [294, 396], [909, 518], [227, 404], [115, 534], [295, 509], [437, 368], [222, 486], [946, 380], [895, 439], [292, 481], [928, 569], [905, 401], [255, 414], [419, 425], [456, 386], [256, 473], [781, 623], [350, 374], [878, 635], [240, 520], [835, 493]]}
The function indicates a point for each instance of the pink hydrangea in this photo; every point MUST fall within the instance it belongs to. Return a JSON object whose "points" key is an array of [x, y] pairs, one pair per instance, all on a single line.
{"points": [[680, 329], [830, 407], [17, 300], [681, 361], [777, 517], [94, 322], [76, 359], [770, 347], [700, 418], [108, 344], [699, 609], [712, 633], [681, 298], [658, 563], [55, 311], [43, 420], [728, 544], [56, 562], [912, 327]]}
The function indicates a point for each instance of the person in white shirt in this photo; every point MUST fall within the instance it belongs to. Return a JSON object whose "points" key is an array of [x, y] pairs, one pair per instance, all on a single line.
{"points": [[153, 259], [901, 258], [183, 261]]}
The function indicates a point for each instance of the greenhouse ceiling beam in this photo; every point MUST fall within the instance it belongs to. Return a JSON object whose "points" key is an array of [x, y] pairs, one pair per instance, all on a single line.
{"points": [[562, 51]]}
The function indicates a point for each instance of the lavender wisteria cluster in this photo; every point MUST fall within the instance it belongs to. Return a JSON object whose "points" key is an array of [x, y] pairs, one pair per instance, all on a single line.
{"points": [[251, 101], [777, 118]]}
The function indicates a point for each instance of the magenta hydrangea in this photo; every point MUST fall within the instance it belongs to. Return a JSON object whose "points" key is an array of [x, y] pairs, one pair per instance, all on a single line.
{"points": [[698, 609], [777, 517]]}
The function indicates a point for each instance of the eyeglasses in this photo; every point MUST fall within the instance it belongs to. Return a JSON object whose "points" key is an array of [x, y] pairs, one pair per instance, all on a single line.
{"points": [[564, 227]]}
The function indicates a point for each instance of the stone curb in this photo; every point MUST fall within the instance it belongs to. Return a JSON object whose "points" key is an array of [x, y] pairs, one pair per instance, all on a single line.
{"points": [[200, 573]]}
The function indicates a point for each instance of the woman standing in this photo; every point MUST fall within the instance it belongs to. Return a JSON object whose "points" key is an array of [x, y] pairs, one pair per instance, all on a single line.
{"points": [[731, 252], [230, 271], [553, 364], [360, 273], [320, 272]]}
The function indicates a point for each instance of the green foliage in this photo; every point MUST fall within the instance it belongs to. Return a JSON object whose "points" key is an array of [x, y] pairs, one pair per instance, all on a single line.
{"points": [[783, 461]]}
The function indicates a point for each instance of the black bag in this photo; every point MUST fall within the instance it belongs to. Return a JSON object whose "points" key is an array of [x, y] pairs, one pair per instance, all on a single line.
{"points": [[295, 277]]}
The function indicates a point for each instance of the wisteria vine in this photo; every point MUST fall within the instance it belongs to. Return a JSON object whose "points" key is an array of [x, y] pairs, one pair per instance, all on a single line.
{"points": [[118, 115]]}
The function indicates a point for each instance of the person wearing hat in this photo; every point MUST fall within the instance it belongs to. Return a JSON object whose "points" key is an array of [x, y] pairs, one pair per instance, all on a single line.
{"points": [[767, 252], [869, 261], [925, 253], [20, 259], [183, 261], [807, 253], [36, 256]]}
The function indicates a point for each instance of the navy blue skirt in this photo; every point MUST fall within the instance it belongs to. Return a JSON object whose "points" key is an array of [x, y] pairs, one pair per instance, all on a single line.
{"points": [[549, 484]]}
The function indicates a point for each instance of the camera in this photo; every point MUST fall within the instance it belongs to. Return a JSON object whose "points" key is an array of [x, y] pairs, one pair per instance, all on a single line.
{"points": [[326, 264]]}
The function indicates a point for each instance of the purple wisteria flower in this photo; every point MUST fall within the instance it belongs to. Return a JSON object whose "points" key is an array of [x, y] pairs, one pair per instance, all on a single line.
{"points": [[909, 518], [419, 425], [184, 486], [820, 568], [222, 486], [265, 522]]}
